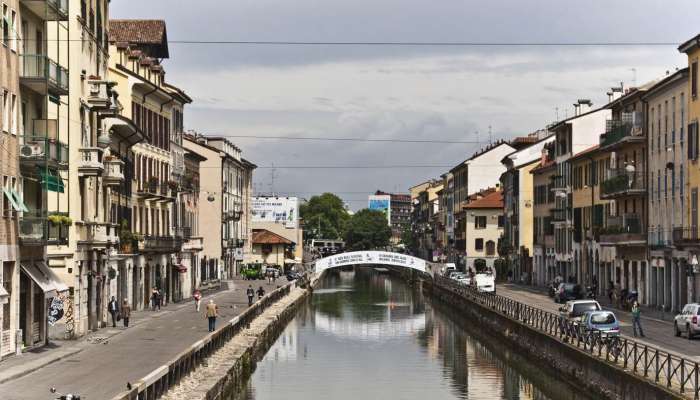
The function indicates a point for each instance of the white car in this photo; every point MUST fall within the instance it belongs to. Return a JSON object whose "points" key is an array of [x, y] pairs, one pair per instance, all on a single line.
{"points": [[688, 321], [485, 283], [462, 278]]}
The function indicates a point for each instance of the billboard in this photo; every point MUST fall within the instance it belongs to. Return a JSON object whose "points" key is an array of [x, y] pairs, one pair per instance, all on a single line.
{"points": [[381, 203], [280, 210]]}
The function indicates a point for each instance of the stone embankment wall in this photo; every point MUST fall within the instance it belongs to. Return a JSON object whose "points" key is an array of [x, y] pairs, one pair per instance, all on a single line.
{"points": [[227, 370], [594, 377]]}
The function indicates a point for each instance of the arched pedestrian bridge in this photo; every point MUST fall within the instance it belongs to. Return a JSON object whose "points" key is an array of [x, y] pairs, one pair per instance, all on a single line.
{"points": [[371, 258]]}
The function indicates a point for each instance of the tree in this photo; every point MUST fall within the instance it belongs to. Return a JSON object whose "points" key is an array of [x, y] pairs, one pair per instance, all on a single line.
{"points": [[409, 240], [367, 230], [324, 217]]}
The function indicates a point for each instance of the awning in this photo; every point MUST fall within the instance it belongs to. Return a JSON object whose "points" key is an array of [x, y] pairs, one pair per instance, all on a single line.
{"points": [[51, 181], [11, 198], [44, 277], [19, 201]]}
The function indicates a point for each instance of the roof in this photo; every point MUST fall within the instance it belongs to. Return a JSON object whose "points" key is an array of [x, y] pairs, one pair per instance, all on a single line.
{"points": [[586, 152], [480, 153], [527, 155], [662, 84], [543, 167], [263, 236], [141, 32], [689, 44], [491, 200]]}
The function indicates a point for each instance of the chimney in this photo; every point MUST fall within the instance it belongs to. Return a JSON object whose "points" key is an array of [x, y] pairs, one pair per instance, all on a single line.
{"points": [[543, 158], [584, 106], [576, 109]]}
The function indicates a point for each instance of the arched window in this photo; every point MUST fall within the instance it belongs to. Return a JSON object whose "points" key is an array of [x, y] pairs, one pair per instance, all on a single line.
{"points": [[490, 248]]}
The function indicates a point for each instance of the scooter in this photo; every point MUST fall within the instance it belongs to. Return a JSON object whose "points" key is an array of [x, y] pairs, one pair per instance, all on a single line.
{"points": [[591, 293], [64, 396]]}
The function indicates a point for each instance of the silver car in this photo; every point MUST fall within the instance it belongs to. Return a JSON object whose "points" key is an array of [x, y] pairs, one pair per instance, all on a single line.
{"points": [[688, 321]]}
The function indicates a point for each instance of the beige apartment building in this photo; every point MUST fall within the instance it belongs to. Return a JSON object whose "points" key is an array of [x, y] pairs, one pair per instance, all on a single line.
{"points": [[544, 264], [11, 182], [484, 226]]}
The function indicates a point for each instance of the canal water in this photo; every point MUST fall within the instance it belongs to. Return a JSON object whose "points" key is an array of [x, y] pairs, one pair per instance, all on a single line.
{"points": [[368, 335]]}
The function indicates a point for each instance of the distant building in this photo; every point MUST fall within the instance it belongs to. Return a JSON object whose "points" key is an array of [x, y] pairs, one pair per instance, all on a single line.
{"points": [[399, 212], [280, 216]]}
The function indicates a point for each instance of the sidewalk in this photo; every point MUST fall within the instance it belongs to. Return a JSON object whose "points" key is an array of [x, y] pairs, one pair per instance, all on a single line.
{"points": [[99, 365]]}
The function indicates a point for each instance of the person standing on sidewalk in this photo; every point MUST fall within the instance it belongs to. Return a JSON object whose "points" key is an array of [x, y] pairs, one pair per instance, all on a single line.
{"points": [[636, 319], [113, 308], [250, 292], [126, 313], [211, 314], [154, 298], [261, 293], [197, 296]]}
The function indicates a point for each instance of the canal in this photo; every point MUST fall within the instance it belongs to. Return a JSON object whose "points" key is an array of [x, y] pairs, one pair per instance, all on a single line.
{"points": [[369, 335]]}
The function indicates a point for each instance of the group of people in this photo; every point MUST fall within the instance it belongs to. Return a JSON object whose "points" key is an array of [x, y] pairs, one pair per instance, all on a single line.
{"points": [[626, 299], [117, 312], [156, 299]]}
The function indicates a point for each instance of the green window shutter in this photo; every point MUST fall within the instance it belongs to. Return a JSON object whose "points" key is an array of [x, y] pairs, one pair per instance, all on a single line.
{"points": [[20, 201], [8, 194]]}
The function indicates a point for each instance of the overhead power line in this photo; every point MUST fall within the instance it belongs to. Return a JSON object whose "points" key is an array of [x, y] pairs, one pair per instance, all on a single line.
{"points": [[331, 139]]}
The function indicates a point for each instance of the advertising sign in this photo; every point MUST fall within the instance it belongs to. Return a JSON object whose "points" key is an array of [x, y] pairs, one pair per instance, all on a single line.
{"points": [[280, 210], [381, 203], [371, 258]]}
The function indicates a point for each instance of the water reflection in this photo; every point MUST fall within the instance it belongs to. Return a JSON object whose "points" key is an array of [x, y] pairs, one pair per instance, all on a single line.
{"points": [[367, 335]]}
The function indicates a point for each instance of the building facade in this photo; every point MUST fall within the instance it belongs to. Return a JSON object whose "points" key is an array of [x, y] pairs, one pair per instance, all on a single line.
{"points": [[483, 228], [544, 263]]}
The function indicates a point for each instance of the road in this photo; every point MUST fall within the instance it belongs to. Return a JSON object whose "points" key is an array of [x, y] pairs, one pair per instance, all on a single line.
{"points": [[103, 369], [658, 333]]}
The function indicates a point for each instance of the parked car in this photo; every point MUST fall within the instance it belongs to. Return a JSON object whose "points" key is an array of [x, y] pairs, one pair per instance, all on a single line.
{"points": [[604, 322], [573, 310], [566, 292], [688, 321], [461, 278], [485, 282], [292, 276]]}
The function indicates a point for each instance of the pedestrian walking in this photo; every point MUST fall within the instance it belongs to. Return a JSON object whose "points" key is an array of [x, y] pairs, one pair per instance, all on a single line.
{"points": [[154, 298], [250, 292], [113, 308], [159, 298], [197, 296], [269, 277], [126, 313], [261, 293], [636, 319], [211, 314]]}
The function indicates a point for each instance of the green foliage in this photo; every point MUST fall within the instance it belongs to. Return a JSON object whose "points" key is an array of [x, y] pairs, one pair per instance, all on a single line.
{"points": [[409, 240], [366, 230], [324, 217]]}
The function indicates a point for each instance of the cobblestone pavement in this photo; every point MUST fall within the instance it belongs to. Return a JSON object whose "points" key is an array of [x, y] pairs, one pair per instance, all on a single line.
{"points": [[103, 368]]}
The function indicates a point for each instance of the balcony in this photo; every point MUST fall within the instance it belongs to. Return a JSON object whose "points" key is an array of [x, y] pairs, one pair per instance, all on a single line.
{"points": [[686, 235], [48, 10], [623, 183], [161, 244], [35, 229], [42, 151], [193, 244], [628, 129], [114, 172], [90, 161], [623, 230], [558, 215], [154, 191], [97, 234], [43, 75], [657, 239], [185, 232]]}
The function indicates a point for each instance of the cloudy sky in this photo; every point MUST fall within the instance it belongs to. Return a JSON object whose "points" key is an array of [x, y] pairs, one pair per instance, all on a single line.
{"points": [[399, 92]]}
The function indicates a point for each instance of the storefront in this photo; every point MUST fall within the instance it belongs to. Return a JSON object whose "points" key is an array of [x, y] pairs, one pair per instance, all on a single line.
{"points": [[39, 286]]}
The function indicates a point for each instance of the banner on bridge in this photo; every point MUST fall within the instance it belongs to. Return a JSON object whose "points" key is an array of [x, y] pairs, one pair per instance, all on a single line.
{"points": [[370, 258]]}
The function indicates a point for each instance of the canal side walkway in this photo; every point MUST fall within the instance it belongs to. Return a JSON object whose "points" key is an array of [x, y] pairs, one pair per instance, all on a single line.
{"points": [[100, 365], [659, 333]]}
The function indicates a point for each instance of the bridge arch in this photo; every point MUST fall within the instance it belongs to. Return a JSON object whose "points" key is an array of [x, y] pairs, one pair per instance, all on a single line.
{"points": [[370, 257]]}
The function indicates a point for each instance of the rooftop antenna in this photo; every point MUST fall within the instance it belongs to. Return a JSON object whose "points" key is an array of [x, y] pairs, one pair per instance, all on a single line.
{"points": [[556, 112], [477, 138], [272, 179], [490, 137], [634, 77]]}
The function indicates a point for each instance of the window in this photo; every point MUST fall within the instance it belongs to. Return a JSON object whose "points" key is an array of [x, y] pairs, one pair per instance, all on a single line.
{"points": [[479, 244], [490, 248], [694, 80], [13, 113], [7, 269], [5, 111], [15, 35], [480, 222], [693, 141], [5, 25], [682, 117]]}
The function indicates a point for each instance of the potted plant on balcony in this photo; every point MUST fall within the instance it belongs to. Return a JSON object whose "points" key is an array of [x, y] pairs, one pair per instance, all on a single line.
{"points": [[126, 237], [173, 186]]}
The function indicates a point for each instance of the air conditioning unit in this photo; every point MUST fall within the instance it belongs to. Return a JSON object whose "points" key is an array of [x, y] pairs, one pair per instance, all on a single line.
{"points": [[32, 150]]}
